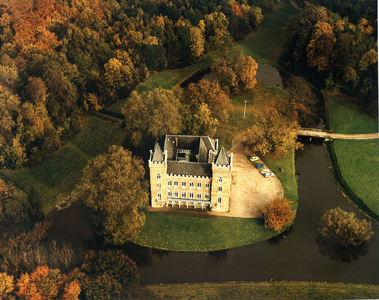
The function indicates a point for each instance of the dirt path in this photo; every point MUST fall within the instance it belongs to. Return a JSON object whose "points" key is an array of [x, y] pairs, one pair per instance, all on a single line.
{"points": [[337, 136], [250, 189]]}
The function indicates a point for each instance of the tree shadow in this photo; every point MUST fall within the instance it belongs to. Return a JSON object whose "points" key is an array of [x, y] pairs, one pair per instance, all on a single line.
{"points": [[340, 253], [218, 254], [277, 239]]}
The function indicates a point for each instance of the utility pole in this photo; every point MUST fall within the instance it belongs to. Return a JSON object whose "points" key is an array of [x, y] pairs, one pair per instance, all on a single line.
{"points": [[244, 111]]}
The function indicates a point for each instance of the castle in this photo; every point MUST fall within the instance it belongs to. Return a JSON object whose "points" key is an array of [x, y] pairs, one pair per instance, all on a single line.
{"points": [[190, 172]]}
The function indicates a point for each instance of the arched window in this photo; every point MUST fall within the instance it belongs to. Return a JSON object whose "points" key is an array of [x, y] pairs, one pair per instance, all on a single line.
{"points": [[158, 176], [220, 180]]}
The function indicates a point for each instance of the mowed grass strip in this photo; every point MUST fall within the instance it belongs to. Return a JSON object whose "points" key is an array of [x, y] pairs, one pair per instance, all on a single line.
{"points": [[55, 177], [266, 43], [200, 234], [359, 165], [260, 290], [346, 115]]}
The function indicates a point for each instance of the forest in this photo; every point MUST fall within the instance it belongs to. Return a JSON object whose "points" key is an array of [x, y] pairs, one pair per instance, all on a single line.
{"points": [[60, 60]]}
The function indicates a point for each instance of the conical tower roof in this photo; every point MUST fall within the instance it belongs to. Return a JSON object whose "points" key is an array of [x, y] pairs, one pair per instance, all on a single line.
{"points": [[222, 159], [158, 154]]}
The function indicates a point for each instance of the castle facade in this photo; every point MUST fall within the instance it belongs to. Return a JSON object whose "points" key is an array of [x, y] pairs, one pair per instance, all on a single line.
{"points": [[189, 171]]}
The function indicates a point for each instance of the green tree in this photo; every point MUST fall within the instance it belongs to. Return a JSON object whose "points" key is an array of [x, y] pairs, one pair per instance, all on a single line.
{"points": [[109, 275], [114, 186], [344, 228], [278, 214], [152, 114]]}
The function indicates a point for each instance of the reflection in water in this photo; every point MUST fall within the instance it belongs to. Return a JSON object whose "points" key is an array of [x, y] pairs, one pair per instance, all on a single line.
{"points": [[160, 253], [277, 239], [340, 253], [218, 254]]}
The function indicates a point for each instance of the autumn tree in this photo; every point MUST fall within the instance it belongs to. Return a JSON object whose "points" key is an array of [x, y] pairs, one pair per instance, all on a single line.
{"points": [[44, 283], [278, 214], [272, 133], [109, 275], [6, 286], [198, 120], [114, 186], [209, 93], [152, 114], [344, 228], [197, 42], [246, 70]]}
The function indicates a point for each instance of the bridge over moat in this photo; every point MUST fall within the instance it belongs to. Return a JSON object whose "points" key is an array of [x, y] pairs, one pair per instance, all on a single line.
{"points": [[322, 134]]}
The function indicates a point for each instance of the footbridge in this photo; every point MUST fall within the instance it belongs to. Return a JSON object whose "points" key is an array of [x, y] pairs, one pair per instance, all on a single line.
{"points": [[322, 134]]}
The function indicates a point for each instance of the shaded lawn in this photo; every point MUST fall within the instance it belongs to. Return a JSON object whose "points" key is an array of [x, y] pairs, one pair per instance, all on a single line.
{"points": [[266, 43], [57, 176], [359, 165], [260, 290], [346, 115]]}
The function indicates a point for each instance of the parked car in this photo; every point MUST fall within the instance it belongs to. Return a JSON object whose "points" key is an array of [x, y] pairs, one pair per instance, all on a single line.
{"points": [[264, 171], [259, 166], [266, 175], [254, 158]]}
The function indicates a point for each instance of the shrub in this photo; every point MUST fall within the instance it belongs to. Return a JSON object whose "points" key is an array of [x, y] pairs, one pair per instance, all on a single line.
{"points": [[278, 214], [339, 226]]}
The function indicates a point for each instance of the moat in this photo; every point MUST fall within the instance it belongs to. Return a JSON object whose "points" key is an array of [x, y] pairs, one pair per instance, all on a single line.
{"points": [[294, 255]]}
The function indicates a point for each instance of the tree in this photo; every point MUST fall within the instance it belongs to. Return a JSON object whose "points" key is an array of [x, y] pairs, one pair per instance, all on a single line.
{"points": [[45, 283], [152, 114], [278, 214], [6, 285], [109, 275], [246, 69], [211, 94], [344, 228], [197, 120], [272, 133], [114, 186], [197, 42]]}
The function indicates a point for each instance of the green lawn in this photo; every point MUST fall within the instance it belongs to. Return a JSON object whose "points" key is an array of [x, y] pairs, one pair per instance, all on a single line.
{"points": [[346, 115], [260, 290], [358, 161], [55, 177], [359, 165], [266, 44]]}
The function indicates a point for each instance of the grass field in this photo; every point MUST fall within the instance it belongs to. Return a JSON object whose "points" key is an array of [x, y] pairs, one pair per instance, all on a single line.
{"points": [[358, 161], [266, 43], [260, 290], [180, 232], [55, 177], [346, 115], [359, 165]]}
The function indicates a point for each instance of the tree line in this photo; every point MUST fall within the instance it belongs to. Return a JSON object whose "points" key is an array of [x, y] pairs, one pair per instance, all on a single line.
{"points": [[337, 48], [59, 59]]}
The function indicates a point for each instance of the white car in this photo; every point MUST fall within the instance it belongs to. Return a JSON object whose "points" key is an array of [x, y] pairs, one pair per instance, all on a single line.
{"points": [[264, 171], [269, 175], [254, 158]]}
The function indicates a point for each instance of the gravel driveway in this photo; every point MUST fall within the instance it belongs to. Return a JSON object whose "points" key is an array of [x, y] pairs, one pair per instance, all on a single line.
{"points": [[249, 188]]}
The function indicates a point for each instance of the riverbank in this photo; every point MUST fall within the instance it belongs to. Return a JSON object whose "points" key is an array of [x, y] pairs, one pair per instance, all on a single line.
{"points": [[260, 290], [355, 163]]}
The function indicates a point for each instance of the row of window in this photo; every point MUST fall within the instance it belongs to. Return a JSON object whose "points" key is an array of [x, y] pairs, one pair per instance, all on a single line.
{"points": [[169, 183], [184, 185], [191, 194], [159, 186]]}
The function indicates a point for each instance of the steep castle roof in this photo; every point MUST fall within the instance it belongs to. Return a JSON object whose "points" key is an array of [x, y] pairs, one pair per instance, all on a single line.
{"points": [[158, 154], [222, 159]]}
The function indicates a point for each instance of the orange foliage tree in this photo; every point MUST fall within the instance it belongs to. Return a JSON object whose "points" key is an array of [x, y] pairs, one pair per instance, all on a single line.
{"points": [[211, 94], [278, 214], [44, 283]]}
